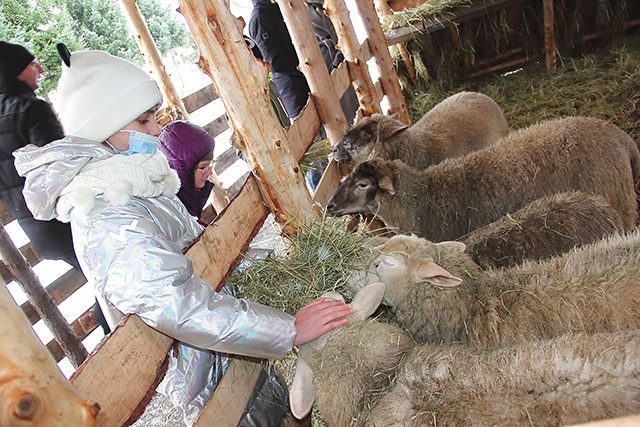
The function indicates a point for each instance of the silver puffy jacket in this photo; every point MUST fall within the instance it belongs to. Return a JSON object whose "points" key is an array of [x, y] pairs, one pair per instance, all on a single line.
{"points": [[133, 255]]}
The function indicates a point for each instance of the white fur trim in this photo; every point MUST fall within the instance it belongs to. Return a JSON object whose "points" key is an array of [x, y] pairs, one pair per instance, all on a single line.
{"points": [[119, 193]]}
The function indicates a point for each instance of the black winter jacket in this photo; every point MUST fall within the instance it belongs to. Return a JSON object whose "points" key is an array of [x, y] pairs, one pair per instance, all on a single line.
{"points": [[26, 119]]}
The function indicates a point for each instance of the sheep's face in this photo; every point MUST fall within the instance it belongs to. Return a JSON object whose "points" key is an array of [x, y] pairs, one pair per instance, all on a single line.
{"points": [[357, 192], [366, 139], [405, 261]]}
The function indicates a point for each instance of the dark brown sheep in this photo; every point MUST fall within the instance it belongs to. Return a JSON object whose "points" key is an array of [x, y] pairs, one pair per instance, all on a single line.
{"points": [[544, 228]]}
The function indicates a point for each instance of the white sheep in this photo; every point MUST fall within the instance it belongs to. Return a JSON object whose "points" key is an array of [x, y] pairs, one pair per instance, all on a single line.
{"points": [[438, 294], [358, 375], [448, 200], [571, 379], [461, 123]]}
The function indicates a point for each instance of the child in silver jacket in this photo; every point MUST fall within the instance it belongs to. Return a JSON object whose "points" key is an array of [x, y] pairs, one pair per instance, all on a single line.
{"points": [[129, 229]]}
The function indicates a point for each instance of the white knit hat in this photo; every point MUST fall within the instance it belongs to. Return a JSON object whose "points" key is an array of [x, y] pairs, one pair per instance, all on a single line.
{"points": [[99, 94]]}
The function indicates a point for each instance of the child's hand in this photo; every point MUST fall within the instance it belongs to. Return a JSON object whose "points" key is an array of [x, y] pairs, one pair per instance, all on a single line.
{"points": [[319, 317]]}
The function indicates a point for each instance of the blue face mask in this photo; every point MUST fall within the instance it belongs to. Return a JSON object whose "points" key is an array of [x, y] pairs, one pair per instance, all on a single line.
{"points": [[140, 143]]}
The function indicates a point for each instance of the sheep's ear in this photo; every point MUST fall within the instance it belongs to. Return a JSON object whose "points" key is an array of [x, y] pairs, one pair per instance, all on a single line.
{"points": [[302, 393], [458, 246], [390, 127], [367, 300], [386, 183], [429, 271]]}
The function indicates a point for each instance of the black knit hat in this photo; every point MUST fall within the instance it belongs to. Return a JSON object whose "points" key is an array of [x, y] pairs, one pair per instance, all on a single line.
{"points": [[13, 59]]}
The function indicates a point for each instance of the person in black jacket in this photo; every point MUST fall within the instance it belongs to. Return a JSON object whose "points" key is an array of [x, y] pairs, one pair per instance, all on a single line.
{"points": [[27, 119]]}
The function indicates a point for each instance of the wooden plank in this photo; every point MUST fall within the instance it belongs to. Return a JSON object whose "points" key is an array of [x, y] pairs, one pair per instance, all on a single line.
{"points": [[200, 98], [225, 160], [33, 393], [549, 36], [29, 254], [153, 58], [314, 68], [219, 249], [123, 372], [379, 49], [82, 326], [232, 394], [302, 132], [217, 126], [41, 300]]}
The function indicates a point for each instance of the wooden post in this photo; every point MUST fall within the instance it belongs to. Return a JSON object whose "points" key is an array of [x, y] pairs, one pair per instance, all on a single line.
{"points": [[41, 300], [314, 69], [241, 81], [33, 393], [383, 10], [152, 56], [549, 35], [379, 49], [348, 44]]}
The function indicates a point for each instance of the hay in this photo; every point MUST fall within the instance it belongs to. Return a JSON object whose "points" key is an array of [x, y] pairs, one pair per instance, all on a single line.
{"points": [[447, 56], [320, 259], [604, 84]]}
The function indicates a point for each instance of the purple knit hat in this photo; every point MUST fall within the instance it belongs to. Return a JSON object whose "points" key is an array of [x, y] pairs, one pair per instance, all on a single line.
{"points": [[185, 144]]}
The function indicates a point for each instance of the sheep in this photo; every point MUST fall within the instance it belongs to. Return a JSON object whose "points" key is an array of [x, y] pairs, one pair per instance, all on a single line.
{"points": [[461, 123], [571, 379], [544, 228], [362, 365], [438, 294], [348, 373], [448, 200]]}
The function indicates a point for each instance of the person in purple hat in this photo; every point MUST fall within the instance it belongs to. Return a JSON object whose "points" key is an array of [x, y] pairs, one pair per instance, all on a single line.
{"points": [[189, 149]]}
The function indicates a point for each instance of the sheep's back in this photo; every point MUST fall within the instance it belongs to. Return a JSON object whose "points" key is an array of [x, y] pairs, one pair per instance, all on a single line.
{"points": [[460, 124], [572, 379], [544, 228]]}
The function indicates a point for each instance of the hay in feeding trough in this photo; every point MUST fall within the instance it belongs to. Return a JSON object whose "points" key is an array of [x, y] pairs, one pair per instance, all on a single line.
{"points": [[604, 84], [320, 259]]}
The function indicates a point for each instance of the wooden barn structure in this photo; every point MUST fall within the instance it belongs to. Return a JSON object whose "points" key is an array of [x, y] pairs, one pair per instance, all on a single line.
{"points": [[122, 373]]}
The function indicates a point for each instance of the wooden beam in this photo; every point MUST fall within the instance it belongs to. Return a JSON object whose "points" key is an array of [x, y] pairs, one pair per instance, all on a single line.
{"points": [[123, 372], [549, 36], [200, 98], [379, 49], [59, 290], [354, 57], [241, 81], [312, 65], [219, 249], [232, 394], [41, 300], [33, 392], [440, 21]]}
